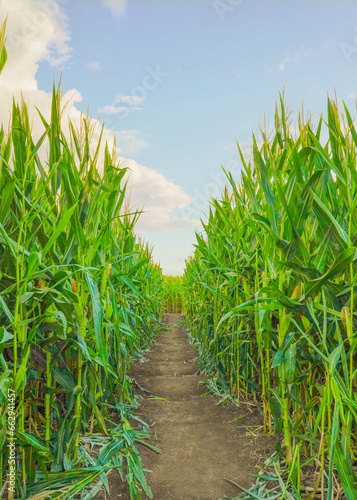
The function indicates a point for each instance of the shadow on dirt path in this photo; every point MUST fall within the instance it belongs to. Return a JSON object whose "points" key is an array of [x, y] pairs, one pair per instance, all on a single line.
{"points": [[200, 442]]}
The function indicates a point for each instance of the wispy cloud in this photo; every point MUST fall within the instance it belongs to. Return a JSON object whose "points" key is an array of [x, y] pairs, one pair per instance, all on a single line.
{"points": [[230, 147], [94, 65], [302, 54], [128, 99], [116, 7], [116, 110]]}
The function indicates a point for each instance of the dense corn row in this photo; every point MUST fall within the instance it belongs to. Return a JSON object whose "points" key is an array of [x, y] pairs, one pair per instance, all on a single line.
{"points": [[172, 294], [79, 296], [271, 293]]}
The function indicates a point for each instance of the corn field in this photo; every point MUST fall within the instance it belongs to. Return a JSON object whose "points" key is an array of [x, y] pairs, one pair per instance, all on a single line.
{"points": [[270, 295], [171, 294], [79, 296]]}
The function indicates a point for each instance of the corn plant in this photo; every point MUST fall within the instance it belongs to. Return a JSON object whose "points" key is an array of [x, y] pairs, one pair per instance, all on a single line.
{"points": [[171, 294], [270, 293], [79, 296]]}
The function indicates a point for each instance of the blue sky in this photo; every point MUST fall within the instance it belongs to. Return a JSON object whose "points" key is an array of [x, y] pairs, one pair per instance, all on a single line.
{"points": [[177, 83]]}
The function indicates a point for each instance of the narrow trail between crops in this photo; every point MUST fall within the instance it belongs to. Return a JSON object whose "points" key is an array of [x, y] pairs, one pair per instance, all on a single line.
{"points": [[200, 442]]}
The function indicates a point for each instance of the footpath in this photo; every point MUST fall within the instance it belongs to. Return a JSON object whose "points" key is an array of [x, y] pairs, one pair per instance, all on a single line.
{"points": [[202, 444]]}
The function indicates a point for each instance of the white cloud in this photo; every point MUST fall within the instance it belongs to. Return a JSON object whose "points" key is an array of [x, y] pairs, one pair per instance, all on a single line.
{"points": [[130, 141], [158, 197], [129, 99], [35, 34], [116, 7], [123, 104], [117, 110], [36, 31], [94, 65]]}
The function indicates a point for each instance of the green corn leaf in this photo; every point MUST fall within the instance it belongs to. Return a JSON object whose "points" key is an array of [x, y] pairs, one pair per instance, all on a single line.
{"points": [[335, 358], [246, 306], [59, 229], [280, 355], [3, 51], [64, 378], [34, 443], [7, 198], [264, 174], [344, 473], [346, 257], [20, 378], [5, 336], [97, 319], [340, 231]]}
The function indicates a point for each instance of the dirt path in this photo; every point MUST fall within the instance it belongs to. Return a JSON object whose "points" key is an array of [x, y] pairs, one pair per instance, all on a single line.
{"points": [[200, 443]]}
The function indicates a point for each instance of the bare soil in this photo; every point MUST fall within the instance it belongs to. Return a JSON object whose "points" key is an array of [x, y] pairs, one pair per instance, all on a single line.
{"points": [[201, 446]]}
